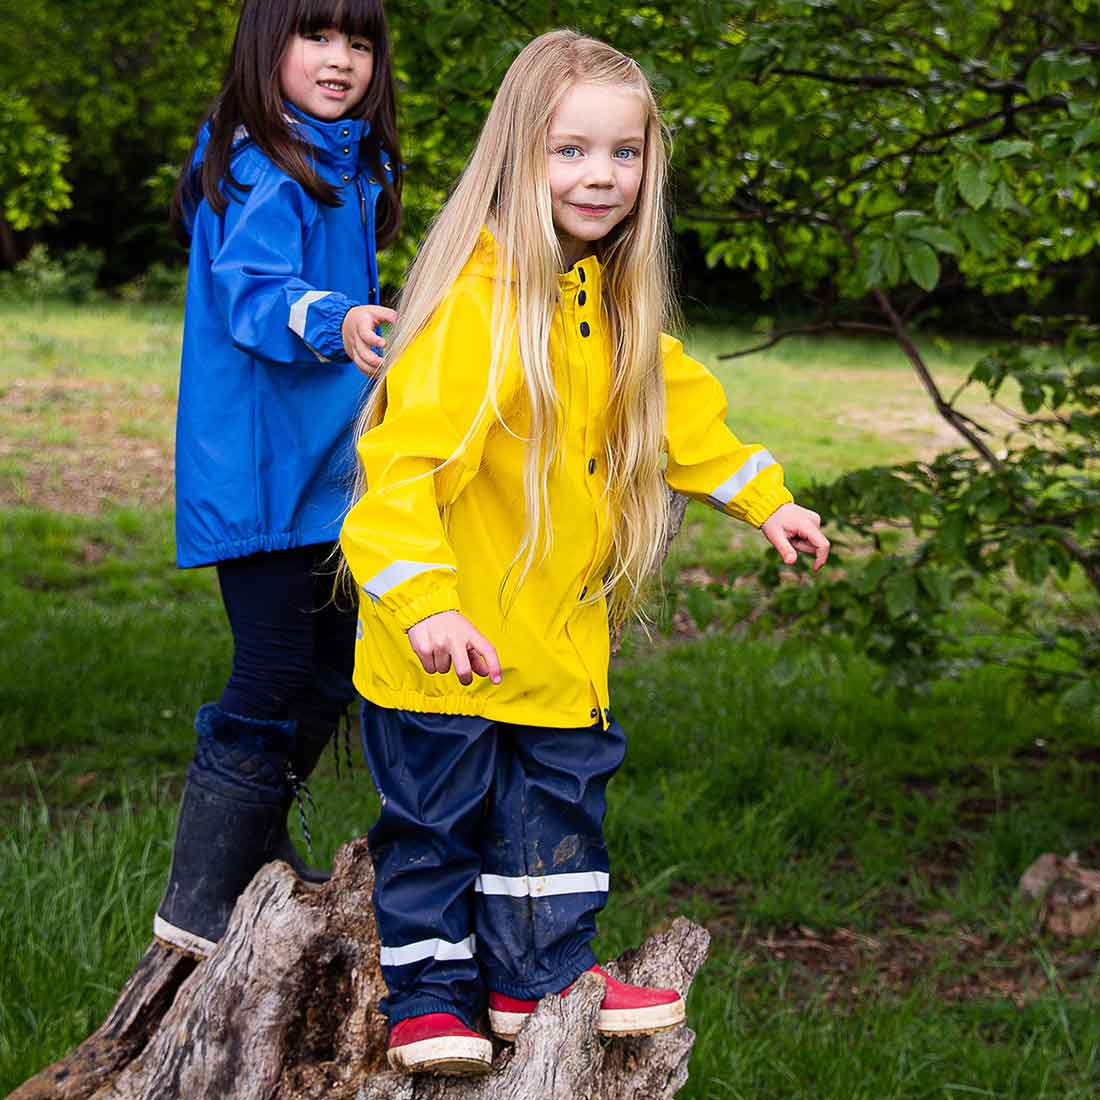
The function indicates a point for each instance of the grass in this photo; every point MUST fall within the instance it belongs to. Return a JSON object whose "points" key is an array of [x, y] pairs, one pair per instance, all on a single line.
{"points": [[854, 856]]}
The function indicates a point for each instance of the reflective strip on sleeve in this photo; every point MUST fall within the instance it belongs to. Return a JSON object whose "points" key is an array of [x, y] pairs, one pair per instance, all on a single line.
{"points": [[729, 488], [397, 573], [299, 312], [427, 949], [300, 309], [535, 886]]}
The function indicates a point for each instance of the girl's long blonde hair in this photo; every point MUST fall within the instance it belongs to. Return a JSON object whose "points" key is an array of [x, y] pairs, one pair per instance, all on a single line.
{"points": [[506, 185]]}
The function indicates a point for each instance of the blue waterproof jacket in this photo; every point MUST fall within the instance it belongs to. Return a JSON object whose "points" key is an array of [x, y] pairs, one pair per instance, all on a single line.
{"points": [[268, 394]]}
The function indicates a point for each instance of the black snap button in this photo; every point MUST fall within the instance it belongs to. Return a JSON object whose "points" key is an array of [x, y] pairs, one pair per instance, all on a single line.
{"points": [[582, 298], [580, 272], [594, 713], [386, 166], [585, 330], [344, 132], [591, 465], [345, 177], [347, 149]]}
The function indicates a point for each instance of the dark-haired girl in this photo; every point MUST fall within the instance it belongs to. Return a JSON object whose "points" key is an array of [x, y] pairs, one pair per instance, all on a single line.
{"points": [[293, 182]]}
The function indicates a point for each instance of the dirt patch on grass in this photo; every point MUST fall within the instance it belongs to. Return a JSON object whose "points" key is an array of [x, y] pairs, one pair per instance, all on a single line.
{"points": [[82, 445], [918, 425], [844, 965]]}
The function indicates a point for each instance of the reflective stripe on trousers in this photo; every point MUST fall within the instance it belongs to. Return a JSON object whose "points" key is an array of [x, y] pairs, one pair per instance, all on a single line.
{"points": [[490, 863]]}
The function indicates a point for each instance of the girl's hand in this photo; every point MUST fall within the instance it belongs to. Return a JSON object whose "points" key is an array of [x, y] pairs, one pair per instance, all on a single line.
{"points": [[450, 637], [791, 528], [360, 339]]}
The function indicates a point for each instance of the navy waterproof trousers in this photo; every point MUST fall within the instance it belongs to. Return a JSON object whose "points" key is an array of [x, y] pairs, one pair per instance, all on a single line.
{"points": [[490, 863]]}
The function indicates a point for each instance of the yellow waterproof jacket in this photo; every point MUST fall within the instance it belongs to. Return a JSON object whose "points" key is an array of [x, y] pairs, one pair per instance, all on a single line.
{"points": [[431, 536]]}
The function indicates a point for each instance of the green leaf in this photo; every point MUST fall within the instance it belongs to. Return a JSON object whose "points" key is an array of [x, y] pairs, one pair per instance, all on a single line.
{"points": [[980, 234], [900, 592], [1009, 148], [1031, 562], [1037, 79], [975, 180], [891, 262], [940, 239], [1087, 135], [944, 199], [922, 263], [1004, 199]]}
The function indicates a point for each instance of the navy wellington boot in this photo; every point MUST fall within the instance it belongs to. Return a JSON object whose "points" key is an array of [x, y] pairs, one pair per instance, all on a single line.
{"points": [[231, 815]]}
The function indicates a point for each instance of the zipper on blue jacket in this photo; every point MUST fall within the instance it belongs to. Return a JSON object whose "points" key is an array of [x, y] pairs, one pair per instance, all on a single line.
{"points": [[368, 235]]}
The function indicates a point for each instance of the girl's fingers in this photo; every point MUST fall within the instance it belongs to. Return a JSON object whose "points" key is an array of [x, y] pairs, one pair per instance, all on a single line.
{"points": [[368, 361], [487, 656], [477, 663], [813, 542], [384, 315], [786, 551], [462, 664]]}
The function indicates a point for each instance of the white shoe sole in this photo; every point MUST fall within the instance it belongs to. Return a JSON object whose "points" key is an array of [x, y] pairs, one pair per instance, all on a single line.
{"points": [[611, 1021], [181, 939], [450, 1055]]}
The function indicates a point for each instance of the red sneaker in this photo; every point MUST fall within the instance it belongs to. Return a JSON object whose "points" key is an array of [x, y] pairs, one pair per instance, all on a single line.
{"points": [[625, 1010], [438, 1043]]}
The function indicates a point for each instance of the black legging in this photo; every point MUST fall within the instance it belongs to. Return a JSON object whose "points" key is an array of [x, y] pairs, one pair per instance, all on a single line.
{"points": [[293, 640]]}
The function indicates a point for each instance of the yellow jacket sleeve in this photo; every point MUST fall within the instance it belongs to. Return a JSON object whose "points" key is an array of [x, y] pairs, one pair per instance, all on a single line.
{"points": [[418, 459], [706, 461]]}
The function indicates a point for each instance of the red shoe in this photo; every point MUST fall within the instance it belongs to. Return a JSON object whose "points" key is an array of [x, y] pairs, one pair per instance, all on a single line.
{"points": [[625, 1010], [438, 1043]]}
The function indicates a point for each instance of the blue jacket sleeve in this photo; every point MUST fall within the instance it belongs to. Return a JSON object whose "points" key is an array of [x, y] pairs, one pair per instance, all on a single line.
{"points": [[269, 310]]}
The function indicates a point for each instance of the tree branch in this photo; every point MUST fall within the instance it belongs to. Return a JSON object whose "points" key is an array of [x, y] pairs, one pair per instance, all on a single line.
{"points": [[808, 330]]}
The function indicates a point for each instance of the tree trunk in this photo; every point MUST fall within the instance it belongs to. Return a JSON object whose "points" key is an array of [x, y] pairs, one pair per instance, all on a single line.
{"points": [[285, 1009]]}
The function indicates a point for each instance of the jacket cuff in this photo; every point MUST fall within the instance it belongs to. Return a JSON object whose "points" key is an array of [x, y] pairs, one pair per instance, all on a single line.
{"points": [[760, 505], [316, 318], [432, 603]]}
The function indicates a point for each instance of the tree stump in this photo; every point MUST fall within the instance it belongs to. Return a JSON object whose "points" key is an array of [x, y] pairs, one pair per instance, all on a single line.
{"points": [[285, 1009]]}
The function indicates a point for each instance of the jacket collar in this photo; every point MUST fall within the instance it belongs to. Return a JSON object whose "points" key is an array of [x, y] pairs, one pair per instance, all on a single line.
{"points": [[585, 273], [328, 137]]}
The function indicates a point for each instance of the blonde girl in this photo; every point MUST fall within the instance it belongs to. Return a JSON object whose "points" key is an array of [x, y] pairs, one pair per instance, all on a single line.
{"points": [[515, 466]]}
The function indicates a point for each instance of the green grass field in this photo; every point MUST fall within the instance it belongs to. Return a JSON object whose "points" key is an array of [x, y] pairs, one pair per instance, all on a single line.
{"points": [[854, 856]]}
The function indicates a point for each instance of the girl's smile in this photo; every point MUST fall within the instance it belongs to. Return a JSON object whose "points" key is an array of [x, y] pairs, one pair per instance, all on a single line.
{"points": [[326, 73]]}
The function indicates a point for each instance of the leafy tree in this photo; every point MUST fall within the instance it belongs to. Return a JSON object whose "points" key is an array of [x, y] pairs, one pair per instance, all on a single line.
{"points": [[880, 156], [123, 84], [31, 161]]}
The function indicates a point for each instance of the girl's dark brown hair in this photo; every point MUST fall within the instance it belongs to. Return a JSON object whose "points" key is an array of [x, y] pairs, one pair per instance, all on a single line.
{"points": [[251, 97]]}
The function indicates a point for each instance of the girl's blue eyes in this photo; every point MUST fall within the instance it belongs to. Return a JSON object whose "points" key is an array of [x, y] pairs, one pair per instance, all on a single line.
{"points": [[567, 153]]}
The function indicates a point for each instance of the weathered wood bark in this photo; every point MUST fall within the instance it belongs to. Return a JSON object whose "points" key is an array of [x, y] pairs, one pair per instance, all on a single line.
{"points": [[285, 1009], [1070, 895]]}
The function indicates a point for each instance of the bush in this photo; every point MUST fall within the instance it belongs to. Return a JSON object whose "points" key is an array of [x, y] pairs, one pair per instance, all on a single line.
{"points": [[39, 276], [160, 283]]}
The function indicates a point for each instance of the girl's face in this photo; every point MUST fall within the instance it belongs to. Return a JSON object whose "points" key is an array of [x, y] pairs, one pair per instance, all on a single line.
{"points": [[326, 73], [594, 151]]}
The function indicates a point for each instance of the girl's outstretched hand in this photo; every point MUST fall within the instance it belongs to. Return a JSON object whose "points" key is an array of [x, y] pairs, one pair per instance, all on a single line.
{"points": [[450, 638], [361, 342], [791, 528]]}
